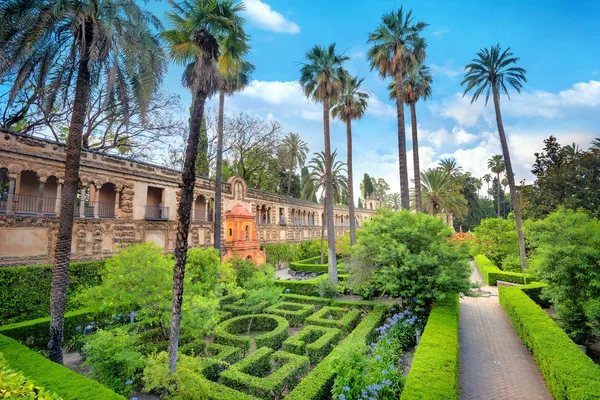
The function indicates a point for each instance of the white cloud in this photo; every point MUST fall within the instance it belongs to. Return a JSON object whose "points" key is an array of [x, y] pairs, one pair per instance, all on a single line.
{"points": [[377, 108], [262, 15], [441, 137], [445, 71], [440, 32]]}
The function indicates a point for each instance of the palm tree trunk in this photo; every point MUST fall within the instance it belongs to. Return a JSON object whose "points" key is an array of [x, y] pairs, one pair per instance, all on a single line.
{"points": [[498, 194], [290, 176], [323, 230], [511, 180], [415, 146], [62, 253], [404, 195], [350, 184], [332, 262], [188, 178], [219, 173]]}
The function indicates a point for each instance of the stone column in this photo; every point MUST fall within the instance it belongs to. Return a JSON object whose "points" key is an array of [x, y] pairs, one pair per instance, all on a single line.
{"points": [[206, 207], [40, 205], [117, 201], [82, 203], [96, 202], [11, 194], [59, 185]]}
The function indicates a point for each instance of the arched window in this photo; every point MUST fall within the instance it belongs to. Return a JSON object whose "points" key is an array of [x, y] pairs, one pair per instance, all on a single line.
{"points": [[247, 228]]}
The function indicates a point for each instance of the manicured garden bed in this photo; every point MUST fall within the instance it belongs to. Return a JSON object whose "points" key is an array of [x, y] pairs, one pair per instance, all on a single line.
{"points": [[491, 273]]}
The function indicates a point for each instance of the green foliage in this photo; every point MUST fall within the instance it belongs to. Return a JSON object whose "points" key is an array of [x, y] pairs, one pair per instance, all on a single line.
{"points": [[278, 253], [316, 341], [328, 289], [567, 256], [295, 313], [234, 331], [13, 385], [244, 269], [491, 273], [317, 384], [305, 288], [25, 293], [248, 375], [312, 264], [496, 239], [260, 289], [568, 372], [185, 384], [208, 275], [114, 360], [53, 377], [335, 317], [407, 255], [434, 371], [297, 298]]}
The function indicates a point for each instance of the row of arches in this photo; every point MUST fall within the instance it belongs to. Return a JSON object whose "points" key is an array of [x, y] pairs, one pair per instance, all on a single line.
{"points": [[302, 217]]}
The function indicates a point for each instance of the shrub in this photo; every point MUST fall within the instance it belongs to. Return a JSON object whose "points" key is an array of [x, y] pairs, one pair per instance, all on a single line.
{"points": [[316, 341], [295, 313], [312, 264], [25, 293], [229, 354], [335, 317], [407, 255], [317, 384], [227, 332], [568, 372], [114, 360], [248, 374], [181, 385], [53, 377], [305, 288], [491, 274], [434, 371], [279, 253], [13, 385], [297, 298], [194, 348], [496, 238], [327, 289]]}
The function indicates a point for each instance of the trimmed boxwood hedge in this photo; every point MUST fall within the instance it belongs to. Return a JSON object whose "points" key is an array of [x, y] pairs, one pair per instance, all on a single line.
{"points": [[568, 372], [434, 371], [298, 298], [491, 273], [246, 375], [53, 377], [295, 313], [316, 341], [317, 384], [238, 308], [217, 391], [305, 288], [227, 332], [25, 293], [34, 333], [347, 322]]}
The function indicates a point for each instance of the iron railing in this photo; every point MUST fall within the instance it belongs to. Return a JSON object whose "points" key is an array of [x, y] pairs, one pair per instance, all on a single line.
{"points": [[156, 213], [200, 216], [29, 204]]}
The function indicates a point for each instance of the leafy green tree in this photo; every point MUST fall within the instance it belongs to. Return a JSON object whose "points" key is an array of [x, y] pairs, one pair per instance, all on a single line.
{"points": [[496, 165], [360, 204], [407, 255], [487, 178], [71, 44], [478, 208], [497, 239], [351, 105], [320, 81], [440, 194], [367, 186], [491, 72], [396, 46], [193, 43], [567, 256], [296, 150]]}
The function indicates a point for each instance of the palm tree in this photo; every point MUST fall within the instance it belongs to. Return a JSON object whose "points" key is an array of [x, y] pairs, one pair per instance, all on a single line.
{"points": [[491, 72], [350, 106], [496, 165], [319, 78], [440, 195], [78, 42], [487, 178], [193, 42], [504, 184], [595, 145], [235, 72], [396, 46], [416, 86], [394, 201], [450, 166], [317, 181], [478, 185], [296, 149]]}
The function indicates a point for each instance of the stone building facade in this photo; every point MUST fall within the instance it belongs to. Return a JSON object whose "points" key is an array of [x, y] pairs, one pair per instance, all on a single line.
{"points": [[124, 201]]}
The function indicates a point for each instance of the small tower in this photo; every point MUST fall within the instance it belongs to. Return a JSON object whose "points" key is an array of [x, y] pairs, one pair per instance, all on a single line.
{"points": [[240, 236]]}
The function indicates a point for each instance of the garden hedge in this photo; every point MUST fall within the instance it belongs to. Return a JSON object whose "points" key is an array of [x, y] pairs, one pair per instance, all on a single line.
{"points": [[25, 293], [316, 341], [568, 372], [227, 332], [434, 371], [298, 298], [217, 391], [53, 377], [238, 308], [347, 321], [491, 273], [14, 384], [248, 374], [305, 288], [295, 313], [35, 333], [318, 383]]}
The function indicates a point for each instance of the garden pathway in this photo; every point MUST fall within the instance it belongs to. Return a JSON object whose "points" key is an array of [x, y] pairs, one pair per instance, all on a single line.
{"points": [[494, 363]]}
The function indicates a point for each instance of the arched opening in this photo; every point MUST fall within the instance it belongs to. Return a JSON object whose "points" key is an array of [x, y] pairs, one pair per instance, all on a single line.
{"points": [[200, 208], [106, 198], [247, 232]]}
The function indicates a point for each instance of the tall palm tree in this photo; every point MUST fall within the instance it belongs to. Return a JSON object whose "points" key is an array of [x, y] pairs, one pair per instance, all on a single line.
{"points": [[496, 165], [317, 181], [56, 44], [595, 145], [440, 195], [394, 201], [397, 45], [450, 166], [235, 72], [487, 178], [193, 42], [491, 72], [296, 149], [350, 106], [320, 81], [478, 185], [416, 86]]}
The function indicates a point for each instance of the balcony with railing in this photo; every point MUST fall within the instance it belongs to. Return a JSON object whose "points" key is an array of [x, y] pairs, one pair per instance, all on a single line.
{"points": [[156, 213], [95, 209], [28, 204], [200, 215]]}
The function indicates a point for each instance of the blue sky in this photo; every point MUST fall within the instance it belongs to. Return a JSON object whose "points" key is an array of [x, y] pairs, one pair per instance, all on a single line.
{"points": [[557, 42]]}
